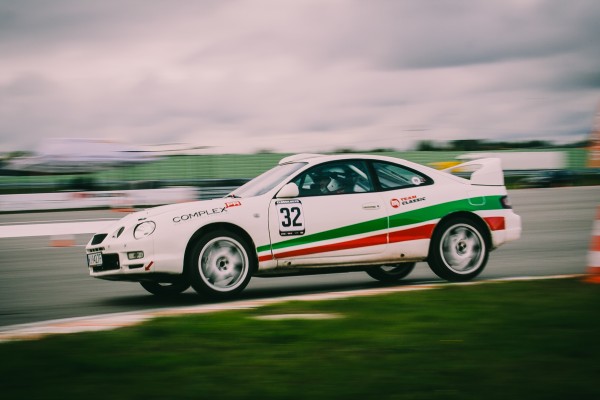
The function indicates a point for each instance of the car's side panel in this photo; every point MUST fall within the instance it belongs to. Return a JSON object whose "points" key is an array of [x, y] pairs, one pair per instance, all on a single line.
{"points": [[177, 228], [328, 228], [411, 225], [409, 234]]}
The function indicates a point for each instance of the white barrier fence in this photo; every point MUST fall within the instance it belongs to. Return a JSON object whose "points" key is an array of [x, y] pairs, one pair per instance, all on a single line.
{"points": [[101, 199], [54, 230]]}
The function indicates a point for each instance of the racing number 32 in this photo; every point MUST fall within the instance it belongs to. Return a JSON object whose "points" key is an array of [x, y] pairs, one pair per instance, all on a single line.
{"points": [[288, 220], [291, 217]]}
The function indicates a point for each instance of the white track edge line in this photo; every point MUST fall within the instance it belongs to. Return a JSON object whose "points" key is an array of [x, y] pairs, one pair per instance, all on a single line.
{"points": [[101, 322]]}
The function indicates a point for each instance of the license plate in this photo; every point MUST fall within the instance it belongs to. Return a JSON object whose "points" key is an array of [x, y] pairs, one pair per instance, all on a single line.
{"points": [[94, 259]]}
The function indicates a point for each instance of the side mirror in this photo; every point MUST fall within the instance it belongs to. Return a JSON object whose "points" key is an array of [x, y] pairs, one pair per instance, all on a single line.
{"points": [[288, 191]]}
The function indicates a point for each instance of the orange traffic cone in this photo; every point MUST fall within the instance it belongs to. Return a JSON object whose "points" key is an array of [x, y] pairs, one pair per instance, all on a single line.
{"points": [[62, 240], [593, 272]]}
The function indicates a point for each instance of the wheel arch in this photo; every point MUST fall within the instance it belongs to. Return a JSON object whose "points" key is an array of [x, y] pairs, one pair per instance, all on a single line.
{"points": [[476, 219], [213, 227]]}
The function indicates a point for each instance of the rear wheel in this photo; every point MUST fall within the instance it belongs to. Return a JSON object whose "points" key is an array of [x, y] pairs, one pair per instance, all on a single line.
{"points": [[166, 289], [391, 273], [221, 265], [458, 250]]}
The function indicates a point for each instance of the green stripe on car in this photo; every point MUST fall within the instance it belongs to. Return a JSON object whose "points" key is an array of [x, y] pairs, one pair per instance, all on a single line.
{"points": [[398, 220]]}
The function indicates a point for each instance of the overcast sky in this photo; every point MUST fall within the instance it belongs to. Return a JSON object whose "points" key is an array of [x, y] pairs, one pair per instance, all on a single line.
{"points": [[304, 75]]}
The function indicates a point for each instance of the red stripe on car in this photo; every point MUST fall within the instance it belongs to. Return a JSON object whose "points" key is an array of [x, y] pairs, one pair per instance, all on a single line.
{"points": [[420, 232], [267, 257], [350, 244]]}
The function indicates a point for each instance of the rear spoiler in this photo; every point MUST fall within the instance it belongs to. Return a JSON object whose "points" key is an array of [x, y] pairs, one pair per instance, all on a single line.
{"points": [[484, 171]]}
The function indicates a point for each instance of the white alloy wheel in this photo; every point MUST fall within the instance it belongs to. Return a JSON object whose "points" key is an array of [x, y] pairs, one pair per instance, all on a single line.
{"points": [[462, 249], [458, 250], [221, 265]]}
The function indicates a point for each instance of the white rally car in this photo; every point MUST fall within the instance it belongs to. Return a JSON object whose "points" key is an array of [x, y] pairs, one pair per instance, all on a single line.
{"points": [[315, 214]]}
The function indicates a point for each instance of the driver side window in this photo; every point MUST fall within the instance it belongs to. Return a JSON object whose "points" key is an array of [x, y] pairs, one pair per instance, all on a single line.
{"points": [[335, 178]]}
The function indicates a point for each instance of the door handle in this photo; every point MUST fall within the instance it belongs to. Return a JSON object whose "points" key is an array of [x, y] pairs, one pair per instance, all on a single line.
{"points": [[371, 206]]}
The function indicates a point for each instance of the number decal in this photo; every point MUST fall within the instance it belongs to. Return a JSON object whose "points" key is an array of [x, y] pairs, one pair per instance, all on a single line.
{"points": [[286, 217], [296, 211], [291, 217]]}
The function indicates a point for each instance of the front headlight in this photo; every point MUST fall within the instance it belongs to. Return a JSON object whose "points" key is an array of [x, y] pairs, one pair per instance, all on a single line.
{"points": [[144, 229], [118, 232]]}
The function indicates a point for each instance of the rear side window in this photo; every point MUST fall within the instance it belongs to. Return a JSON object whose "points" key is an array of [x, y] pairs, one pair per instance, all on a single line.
{"points": [[394, 176]]}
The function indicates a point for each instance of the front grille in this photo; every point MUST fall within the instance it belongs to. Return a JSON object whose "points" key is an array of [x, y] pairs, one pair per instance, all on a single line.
{"points": [[95, 249], [110, 262], [97, 239]]}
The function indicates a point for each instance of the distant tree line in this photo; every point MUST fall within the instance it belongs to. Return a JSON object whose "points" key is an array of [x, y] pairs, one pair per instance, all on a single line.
{"points": [[465, 145], [484, 145]]}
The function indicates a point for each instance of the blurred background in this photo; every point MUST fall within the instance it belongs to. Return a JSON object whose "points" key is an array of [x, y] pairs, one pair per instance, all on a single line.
{"points": [[110, 106], [181, 93], [92, 173]]}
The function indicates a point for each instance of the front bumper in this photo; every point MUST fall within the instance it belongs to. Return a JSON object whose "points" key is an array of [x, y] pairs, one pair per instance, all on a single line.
{"points": [[114, 261]]}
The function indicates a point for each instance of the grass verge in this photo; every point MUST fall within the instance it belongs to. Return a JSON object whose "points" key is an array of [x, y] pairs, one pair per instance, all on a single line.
{"points": [[519, 340]]}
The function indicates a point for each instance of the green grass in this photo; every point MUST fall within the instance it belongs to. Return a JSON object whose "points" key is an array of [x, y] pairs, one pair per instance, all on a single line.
{"points": [[520, 340]]}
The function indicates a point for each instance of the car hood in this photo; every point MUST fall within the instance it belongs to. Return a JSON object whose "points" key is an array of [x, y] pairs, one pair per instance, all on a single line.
{"points": [[170, 209], [179, 207]]}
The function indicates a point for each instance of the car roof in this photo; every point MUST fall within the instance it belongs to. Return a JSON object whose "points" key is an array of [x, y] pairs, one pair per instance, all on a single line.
{"points": [[314, 158]]}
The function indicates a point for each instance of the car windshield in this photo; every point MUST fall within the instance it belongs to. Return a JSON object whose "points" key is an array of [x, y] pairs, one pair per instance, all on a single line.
{"points": [[266, 181]]}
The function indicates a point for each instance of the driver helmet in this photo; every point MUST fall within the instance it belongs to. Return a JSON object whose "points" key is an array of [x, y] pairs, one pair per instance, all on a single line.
{"points": [[328, 184], [333, 185]]}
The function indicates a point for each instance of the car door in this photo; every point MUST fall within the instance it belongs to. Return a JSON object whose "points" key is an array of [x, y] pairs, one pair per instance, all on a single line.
{"points": [[337, 217], [409, 198]]}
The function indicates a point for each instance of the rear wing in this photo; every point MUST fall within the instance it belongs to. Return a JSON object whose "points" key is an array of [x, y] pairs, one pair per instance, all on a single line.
{"points": [[484, 171]]}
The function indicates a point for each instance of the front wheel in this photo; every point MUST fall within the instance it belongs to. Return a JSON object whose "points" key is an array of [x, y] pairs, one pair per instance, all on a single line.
{"points": [[166, 289], [458, 251], [390, 273], [221, 265]]}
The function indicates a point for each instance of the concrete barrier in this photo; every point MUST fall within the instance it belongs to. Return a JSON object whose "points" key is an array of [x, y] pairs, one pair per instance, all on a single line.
{"points": [[63, 229]]}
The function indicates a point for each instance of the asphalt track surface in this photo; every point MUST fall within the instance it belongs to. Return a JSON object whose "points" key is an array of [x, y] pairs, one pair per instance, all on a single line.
{"points": [[39, 282]]}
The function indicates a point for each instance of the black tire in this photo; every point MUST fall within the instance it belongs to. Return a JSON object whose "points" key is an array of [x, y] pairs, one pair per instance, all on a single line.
{"points": [[459, 250], [166, 289], [221, 265], [390, 273]]}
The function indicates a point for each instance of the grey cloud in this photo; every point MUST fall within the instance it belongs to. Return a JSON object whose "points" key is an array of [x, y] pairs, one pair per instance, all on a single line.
{"points": [[464, 33], [26, 84], [409, 35], [37, 25], [350, 70]]}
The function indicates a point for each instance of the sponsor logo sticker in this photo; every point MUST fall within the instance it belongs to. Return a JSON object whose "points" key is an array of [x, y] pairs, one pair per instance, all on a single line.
{"points": [[404, 201], [230, 204], [199, 214]]}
